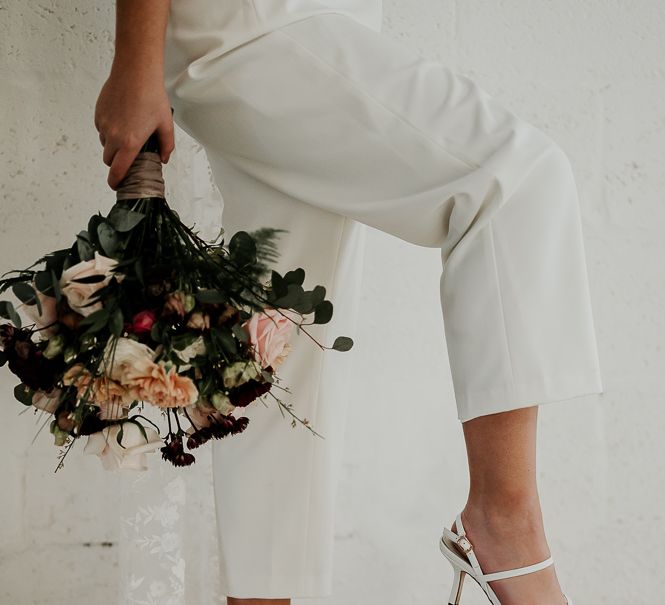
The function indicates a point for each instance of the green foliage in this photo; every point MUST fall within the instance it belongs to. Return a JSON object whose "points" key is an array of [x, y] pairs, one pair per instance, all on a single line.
{"points": [[97, 320], [8, 312], [342, 343], [123, 220], [23, 393]]}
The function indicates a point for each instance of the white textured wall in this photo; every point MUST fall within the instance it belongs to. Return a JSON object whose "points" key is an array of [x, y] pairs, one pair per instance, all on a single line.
{"points": [[588, 72]]}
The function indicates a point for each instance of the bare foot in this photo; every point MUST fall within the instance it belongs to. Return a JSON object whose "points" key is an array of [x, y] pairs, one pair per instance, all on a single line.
{"points": [[507, 541]]}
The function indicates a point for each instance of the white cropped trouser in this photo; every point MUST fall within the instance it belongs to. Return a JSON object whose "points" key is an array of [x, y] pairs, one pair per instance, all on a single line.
{"points": [[323, 126]]}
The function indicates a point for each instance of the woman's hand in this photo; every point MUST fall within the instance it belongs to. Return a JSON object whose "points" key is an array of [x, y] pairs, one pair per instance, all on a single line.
{"points": [[130, 107]]}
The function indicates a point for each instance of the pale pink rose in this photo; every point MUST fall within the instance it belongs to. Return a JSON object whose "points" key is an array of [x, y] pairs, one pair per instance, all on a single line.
{"points": [[46, 317], [47, 400], [132, 455], [125, 357], [269, 332], [163, 388], [79, 294]]}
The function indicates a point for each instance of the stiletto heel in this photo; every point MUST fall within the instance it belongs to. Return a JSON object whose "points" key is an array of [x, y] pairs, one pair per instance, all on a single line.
{"points": [[456, 590], [457, 548]]}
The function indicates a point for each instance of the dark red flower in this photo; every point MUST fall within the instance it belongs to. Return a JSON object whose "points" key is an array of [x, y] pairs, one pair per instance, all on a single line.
{"points": [[174, 452], [247, 392], [221, 425], [142, 322], [27, 361]]}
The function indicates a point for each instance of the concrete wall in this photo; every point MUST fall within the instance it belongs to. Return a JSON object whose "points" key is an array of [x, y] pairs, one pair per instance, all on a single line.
{"points": [[590, 73]]}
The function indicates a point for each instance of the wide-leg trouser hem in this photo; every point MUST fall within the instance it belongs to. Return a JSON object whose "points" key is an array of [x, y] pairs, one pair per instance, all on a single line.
{"points": [[472, 404], [316, 586]]}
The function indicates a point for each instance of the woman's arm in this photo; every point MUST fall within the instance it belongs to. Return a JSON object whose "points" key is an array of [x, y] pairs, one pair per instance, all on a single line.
{"points": [[133, 102]]}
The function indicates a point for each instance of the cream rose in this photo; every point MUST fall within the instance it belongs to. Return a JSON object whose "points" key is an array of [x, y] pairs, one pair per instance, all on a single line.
{"points": [[114, 456], [78, 294], [126, 357], [269, 332]]}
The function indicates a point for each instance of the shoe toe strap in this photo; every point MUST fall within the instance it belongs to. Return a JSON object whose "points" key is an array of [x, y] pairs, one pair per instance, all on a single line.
{"points": [[518, 571]]}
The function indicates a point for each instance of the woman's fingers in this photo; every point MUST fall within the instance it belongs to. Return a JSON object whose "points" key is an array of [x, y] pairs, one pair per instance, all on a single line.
{"points": [[120, 162]]}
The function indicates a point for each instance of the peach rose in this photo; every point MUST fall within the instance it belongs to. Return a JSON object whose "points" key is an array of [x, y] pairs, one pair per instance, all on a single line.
{"points": [[112, 398], [78, 294], [163, 388], [77, 376], [132, 455], [269, 333]]}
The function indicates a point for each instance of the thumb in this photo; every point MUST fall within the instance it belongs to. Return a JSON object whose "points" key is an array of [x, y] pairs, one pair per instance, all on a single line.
{"points": [[166, 139]]}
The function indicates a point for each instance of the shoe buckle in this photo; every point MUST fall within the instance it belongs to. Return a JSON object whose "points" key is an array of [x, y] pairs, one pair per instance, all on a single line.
{"points": [[464, 543]]}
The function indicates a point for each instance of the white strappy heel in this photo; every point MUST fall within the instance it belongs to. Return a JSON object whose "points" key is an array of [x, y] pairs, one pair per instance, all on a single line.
{"points": [[468, 564]]}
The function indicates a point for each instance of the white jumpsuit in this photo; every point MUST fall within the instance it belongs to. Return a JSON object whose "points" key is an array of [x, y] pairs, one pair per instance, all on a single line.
{"points": [[316, 122]]}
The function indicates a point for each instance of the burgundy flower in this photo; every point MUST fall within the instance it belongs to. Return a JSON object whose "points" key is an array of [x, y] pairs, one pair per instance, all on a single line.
{"points": [[174, 452], [27, 361], [221, 425], [247, 392], [142, 322]]}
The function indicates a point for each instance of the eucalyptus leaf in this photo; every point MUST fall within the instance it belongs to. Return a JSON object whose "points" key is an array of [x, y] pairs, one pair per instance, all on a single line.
{"points": [[124, 220], [224, 340], [89, 279], [8, 312], [23, 393], [342, 343], [296, 276], [318, 295], [116, 322], [96, 320], [56, 286], [108, 238], [240, 333], [25, 293], [210, 296], [85, 248], [242, 249], [292, 297], [43, 282], [279, 286], [323, 312]]}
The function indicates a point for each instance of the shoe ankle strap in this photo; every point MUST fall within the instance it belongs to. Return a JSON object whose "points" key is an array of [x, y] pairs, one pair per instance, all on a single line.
{"points": [[465, 544]]}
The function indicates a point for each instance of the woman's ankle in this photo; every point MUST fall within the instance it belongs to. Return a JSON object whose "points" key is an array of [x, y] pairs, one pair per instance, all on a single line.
{"points": [[504, 515]]}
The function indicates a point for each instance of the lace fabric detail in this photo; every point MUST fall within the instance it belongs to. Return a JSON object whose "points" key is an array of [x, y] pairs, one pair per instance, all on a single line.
{"points": [[168, 551]]}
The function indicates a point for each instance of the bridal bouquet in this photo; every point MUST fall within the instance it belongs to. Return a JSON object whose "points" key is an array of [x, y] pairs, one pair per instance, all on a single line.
{"points": [[141, 311]]}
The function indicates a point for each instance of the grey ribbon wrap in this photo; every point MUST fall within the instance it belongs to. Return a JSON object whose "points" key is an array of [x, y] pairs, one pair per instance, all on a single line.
{"points": [[143, 179]]}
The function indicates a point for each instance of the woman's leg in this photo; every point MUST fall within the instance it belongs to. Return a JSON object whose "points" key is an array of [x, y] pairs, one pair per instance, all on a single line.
{"points": [[327, 115], [502, 515]]}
